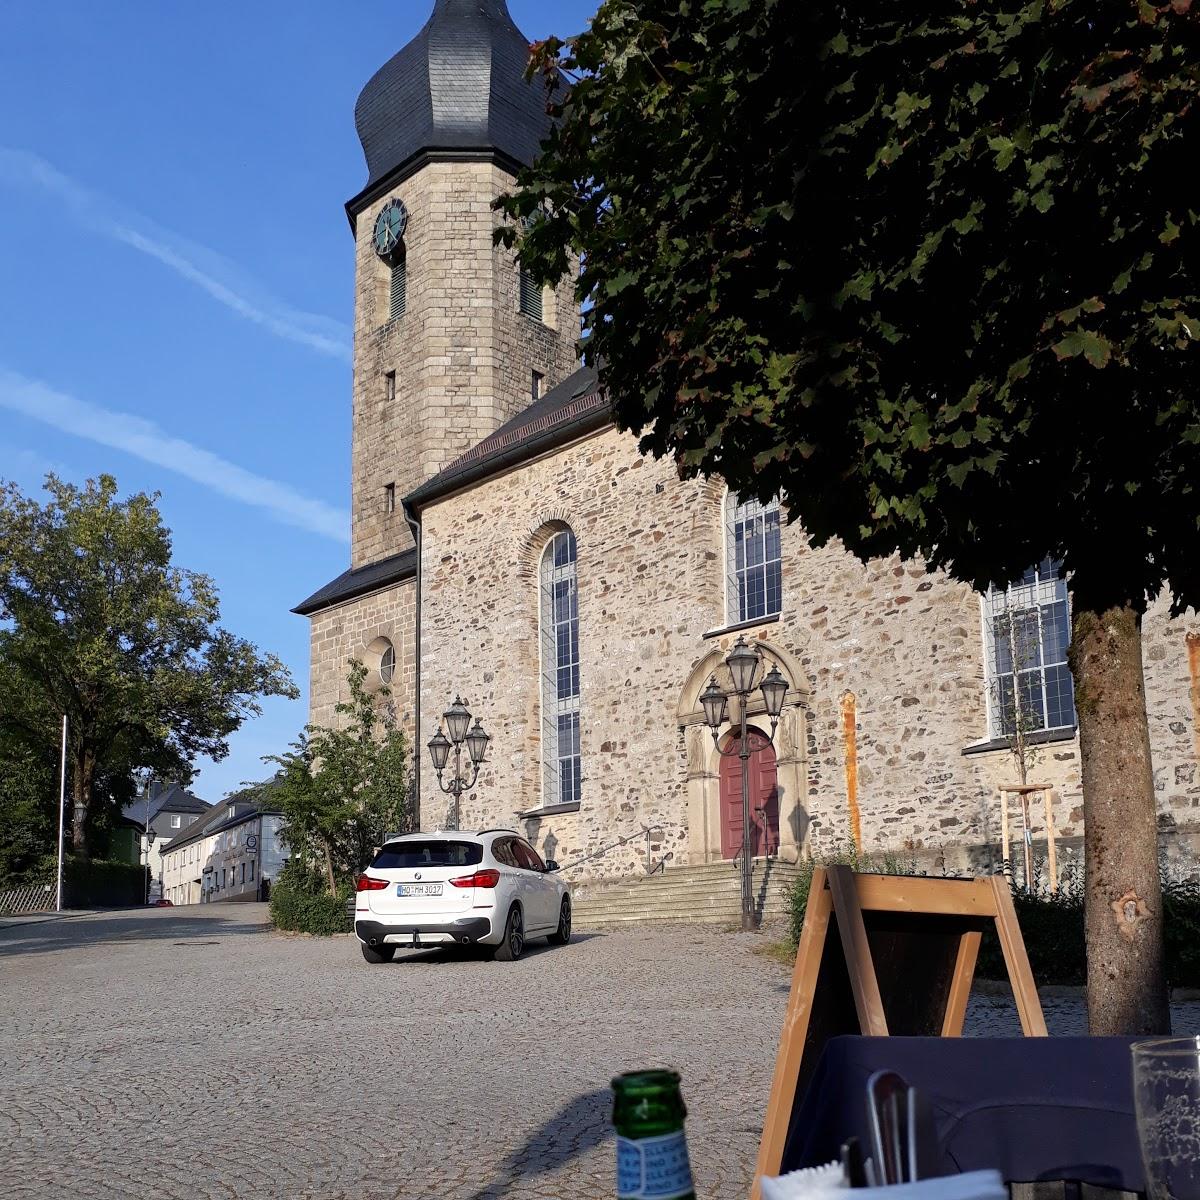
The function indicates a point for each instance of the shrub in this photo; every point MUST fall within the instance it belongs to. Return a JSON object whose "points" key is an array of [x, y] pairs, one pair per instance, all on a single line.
{"points": [[95, 883], [849, 856], [1052, 923], [301, 902]]}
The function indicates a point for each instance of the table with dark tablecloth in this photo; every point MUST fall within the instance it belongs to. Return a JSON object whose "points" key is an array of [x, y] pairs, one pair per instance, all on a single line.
{"points": [[1033, 1108]]}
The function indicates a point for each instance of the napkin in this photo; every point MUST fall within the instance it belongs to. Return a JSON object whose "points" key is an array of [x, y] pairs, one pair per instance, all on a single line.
{"points": [[816, 1183]]}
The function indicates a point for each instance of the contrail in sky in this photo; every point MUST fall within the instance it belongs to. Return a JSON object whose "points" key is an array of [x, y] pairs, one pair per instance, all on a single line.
{"points": [[217, 276], [143, 439]]}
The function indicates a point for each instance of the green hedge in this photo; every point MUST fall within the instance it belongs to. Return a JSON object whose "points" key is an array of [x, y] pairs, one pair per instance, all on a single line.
{"points": [[1051, 924], [96, 883], [301, 902]]}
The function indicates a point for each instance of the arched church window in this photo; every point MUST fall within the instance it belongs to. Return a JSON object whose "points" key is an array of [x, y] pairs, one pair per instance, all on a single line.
{"points": [[560, 671], [754, 559], [387, 664], [1027, 629]]}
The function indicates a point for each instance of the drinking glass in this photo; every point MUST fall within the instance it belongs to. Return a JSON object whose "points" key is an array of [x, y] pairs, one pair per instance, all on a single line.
{"points": [[1166, 1095]]}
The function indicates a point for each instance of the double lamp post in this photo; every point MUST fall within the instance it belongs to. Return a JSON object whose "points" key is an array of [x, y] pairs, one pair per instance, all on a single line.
{"points": [[745, 666], [458, 725]]}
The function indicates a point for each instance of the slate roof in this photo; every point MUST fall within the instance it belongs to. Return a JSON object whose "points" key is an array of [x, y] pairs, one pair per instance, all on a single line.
{"points": [[168, 797], [575, 407], [360, 581], [457, 90]]}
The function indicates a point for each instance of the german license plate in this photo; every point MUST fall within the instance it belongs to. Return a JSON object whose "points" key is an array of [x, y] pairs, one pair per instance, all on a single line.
{"points": [[418, 889]]}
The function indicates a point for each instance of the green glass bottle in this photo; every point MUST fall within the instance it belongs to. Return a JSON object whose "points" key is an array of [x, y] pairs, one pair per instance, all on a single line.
{"points": [[652, 1154]]}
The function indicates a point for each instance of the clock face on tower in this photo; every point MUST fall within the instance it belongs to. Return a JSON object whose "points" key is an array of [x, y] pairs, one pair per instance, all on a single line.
{"points": [[389, 228]]}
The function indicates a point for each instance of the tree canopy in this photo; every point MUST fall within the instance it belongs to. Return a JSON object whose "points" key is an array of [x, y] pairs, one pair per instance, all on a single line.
{"points": [[96, 622], [343, 790], [928, 271]]}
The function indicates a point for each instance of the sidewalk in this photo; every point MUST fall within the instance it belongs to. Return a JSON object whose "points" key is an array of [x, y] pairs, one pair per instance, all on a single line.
{"points": [[42, 917]]}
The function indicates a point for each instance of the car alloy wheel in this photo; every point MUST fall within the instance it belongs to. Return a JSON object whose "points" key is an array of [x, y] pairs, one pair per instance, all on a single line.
{"points": [[562, 935], [510, 949]]}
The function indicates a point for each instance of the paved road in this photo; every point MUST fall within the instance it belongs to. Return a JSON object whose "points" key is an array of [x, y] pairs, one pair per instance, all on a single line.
{"points": [[189, 1054]]}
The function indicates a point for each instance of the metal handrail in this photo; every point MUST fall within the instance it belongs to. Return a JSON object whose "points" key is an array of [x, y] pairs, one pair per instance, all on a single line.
{"points": [[645, 831]]}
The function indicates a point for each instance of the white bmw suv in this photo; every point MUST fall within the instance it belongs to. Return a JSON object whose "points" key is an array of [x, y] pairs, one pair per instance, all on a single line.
{"points": [[431, 889]]}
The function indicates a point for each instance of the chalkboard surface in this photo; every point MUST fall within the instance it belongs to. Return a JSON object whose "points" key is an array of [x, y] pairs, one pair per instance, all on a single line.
{"points": [[886, 954]]}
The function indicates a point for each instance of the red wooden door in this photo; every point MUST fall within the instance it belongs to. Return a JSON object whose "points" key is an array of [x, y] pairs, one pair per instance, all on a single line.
{"points": [[764, 794]]}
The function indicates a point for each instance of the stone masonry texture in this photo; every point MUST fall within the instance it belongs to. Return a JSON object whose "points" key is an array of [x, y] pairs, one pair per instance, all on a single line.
{"points": [[899, 649], [463, 353], [651, 572]]}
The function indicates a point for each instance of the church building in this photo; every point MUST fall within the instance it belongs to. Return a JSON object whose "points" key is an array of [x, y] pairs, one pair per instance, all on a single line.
{"points": [[511, 546]]}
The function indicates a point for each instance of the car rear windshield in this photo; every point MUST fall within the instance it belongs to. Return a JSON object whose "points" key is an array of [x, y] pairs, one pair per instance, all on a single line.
{"points": [[429, 854]]}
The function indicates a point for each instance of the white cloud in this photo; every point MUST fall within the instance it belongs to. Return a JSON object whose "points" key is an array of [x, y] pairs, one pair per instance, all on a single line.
{"points": [[145, 440], [211, 272]]}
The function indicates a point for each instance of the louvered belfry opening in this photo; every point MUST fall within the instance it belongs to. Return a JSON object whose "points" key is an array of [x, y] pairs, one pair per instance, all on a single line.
{"points": [[398, 290], [531, 296]]}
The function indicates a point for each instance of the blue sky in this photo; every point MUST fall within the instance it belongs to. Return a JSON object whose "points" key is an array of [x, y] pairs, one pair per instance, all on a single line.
{"points": [[176, 278]]}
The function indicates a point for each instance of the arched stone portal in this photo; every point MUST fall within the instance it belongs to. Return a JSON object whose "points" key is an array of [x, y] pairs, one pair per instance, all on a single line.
{"points": [[704, 761]]}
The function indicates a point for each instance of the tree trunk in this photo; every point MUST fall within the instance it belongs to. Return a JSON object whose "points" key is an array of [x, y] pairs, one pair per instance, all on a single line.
{"points": [[1126, 984], [329, 867], [83, 768]]}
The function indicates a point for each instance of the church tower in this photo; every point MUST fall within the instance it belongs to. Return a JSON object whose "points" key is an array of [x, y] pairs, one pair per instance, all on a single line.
{"points": [[450, 340]]}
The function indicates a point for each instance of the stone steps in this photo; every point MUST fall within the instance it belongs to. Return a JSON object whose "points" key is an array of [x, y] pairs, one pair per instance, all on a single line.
{"points": [[709, 894]]}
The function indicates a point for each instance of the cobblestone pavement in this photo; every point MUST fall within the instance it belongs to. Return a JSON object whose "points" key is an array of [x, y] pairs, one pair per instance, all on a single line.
{"points": [[190, 1053]]}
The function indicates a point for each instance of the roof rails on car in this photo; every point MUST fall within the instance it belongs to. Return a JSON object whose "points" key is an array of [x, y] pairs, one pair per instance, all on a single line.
{"points": [[498, 829]]}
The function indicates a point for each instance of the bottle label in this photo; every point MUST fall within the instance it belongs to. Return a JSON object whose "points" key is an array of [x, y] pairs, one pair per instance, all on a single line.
{"points": [[654, 1168]]}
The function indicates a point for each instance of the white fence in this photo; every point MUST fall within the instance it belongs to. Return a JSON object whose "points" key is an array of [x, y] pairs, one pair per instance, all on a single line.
{"points": [[33, 899]]}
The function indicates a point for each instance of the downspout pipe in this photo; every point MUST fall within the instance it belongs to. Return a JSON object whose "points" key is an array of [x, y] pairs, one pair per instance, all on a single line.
{"points": [[414, 523]]}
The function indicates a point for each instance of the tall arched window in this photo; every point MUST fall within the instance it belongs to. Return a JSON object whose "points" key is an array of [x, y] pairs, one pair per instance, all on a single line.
{"points": [[754, 557], [560, 671]]}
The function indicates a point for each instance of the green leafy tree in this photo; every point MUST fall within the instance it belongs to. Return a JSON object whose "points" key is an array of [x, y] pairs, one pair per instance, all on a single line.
{"points": [[96, 623], [343, 790], [929, 272]]}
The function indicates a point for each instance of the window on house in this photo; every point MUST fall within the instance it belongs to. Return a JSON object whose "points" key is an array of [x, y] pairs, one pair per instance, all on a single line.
{"points": [[389, 385], [398, 291], [229, 815], [754, 559], [389, 498], [531, 296], [251, 870], [222, 878], [536, 384], [561, 758], [176, 821], [243, 872], [1027, 629]]}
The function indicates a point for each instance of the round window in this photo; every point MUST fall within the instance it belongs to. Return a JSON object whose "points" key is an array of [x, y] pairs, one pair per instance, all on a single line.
{"points": [[387, 663]]}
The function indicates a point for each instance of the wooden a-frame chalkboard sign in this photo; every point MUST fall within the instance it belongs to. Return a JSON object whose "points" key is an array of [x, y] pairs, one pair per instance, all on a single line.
{"points": [[901, 963]]}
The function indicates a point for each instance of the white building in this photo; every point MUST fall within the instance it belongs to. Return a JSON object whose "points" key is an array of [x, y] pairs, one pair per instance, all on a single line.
{"points": [[232, 855]]}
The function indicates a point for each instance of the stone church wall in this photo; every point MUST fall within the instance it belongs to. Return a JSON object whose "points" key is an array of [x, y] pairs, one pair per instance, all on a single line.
{"points": [[905, 646], [354, 630]]}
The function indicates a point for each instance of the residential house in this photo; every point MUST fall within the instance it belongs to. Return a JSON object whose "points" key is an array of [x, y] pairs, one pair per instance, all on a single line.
{"points": [[231, 855]]}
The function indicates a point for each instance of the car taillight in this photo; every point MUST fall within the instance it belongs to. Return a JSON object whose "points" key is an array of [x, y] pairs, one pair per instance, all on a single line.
{"points": [[367, 884], [486, 878]]}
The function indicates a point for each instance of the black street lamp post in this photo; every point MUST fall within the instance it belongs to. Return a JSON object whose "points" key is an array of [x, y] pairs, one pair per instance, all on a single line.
{"points": [[458, 723], [745, 665]]}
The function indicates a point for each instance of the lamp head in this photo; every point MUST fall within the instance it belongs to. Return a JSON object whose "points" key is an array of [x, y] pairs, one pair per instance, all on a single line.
{"points": [[439, 750], [477, 742], [458, 721], [714, 701], [774, 690], [742, 662]]}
